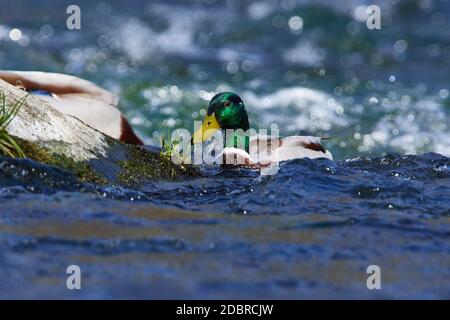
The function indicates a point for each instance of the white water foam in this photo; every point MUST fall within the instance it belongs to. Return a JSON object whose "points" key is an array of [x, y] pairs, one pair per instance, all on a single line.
{"points": [[309, 109], [419, 127]]}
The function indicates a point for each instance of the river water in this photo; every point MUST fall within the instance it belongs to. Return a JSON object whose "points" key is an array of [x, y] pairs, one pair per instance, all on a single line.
{"points": [[310, 231]]}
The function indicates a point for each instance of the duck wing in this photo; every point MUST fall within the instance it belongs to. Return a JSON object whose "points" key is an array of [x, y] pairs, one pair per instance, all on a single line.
{"points": [[77, 97], [59, 84], [265, 148], [294, 147]]}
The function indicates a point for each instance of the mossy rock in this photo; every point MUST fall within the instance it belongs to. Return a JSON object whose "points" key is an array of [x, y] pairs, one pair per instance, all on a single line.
{"points": [[48, 136], [127, 165], [142, 165]]}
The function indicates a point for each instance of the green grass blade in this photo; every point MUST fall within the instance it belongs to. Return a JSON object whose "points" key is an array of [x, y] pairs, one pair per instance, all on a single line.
{"points": [[14, 146], [12, 112], [8, 146], [6, 151]]}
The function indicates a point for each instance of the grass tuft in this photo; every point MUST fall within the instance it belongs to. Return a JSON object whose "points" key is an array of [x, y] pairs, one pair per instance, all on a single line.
{"points": [[8, 146], [167, 146]]}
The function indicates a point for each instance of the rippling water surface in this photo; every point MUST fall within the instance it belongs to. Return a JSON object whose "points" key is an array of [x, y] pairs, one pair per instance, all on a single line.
{"points": [[308, 232]]}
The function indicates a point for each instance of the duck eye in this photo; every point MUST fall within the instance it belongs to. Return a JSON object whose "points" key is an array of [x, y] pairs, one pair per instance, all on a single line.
{"points": [[227, 103]]}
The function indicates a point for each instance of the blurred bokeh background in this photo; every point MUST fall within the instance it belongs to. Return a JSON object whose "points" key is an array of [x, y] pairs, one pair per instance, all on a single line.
{"points": [[306, 65]]}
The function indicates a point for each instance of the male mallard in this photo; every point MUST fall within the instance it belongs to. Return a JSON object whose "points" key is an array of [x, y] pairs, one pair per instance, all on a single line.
{"points": [[227, 111], [97, 108], [76, 97]]}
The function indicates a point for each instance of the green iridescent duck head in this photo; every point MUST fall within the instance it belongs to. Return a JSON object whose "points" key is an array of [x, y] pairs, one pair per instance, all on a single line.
{"points": [[226, 110]]}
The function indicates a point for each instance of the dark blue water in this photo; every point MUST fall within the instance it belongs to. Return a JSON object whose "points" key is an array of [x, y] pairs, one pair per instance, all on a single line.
{"points": [[308, 232]]}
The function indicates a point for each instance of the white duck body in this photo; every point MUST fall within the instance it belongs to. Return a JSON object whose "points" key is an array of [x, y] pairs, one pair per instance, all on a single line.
{"points": [[266, 150], [79, 98]]}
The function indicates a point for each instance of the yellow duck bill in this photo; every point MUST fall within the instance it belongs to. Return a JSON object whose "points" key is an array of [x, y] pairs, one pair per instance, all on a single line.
{"points": [[209, 126]]}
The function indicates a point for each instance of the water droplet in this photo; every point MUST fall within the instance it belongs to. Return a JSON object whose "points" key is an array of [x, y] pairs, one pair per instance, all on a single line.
{"points": [[15, 34], [295, 24], [443, 93], [373, 100], [232, 67]]}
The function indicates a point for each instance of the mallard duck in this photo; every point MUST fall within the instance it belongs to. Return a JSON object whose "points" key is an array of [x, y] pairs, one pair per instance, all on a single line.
{"points": [[80, 98], [226, 110], [97, 108]]}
